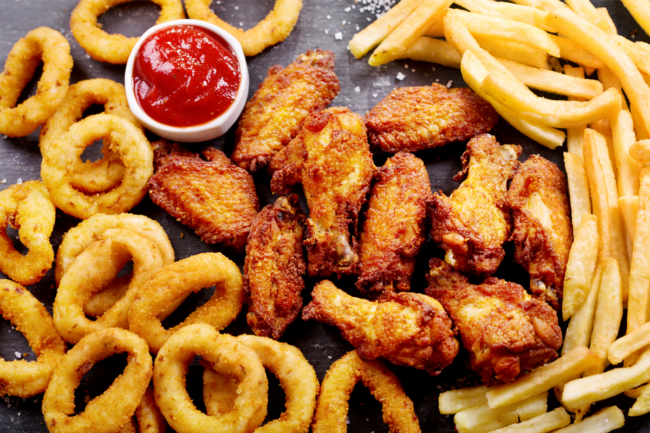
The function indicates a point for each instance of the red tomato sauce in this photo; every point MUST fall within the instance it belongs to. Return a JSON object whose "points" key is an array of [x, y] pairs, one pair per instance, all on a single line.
{"points": [[185, 76]]}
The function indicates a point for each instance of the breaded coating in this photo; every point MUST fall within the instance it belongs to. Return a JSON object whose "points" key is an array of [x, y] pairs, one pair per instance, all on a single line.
{"points": [[394, 229], [274, 267], [332, 159], [408, 329], [505, 330], [416, 118], [474, 222], [276, 112], [214, 197], [542, 226]]}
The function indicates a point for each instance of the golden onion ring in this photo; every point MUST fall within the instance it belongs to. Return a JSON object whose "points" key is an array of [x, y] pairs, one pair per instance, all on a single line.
{"points": [[147, 417]]}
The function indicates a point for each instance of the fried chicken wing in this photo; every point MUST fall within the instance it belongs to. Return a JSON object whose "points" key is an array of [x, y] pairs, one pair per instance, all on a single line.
{"points": [[505, 330], [394, 229], [417, 118], [474, 222], [407, 329], [332, 155], [542, 226], [274, 267], [214, 197], [283, 101]]}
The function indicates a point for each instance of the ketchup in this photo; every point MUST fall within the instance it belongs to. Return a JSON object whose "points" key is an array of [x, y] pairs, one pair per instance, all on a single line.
{"points": [[185, 76]]}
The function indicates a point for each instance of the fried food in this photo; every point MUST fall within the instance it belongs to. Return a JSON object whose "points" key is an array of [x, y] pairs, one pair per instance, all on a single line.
{"points": [[213, 197], [22, 378], [28, 208], [276, 112], [407, 329], [148, 416], [542, 226], [39, 44], [473, 223], [336, 167], [274, 267], [227, 356], [395, 224], [114, 408], [61, 156], [105, 47], [297, 378], [274, 28], [416, 118], [341, 378], [505, 330], [175, 281], [482, 419]]}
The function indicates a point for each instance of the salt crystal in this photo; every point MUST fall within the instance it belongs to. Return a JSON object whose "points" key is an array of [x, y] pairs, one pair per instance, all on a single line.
{"points": [[338, 36], [327, 32], [374, 95], [400, 76], [329, 17], [329, 357], [449, 83], [434, 69], [18, 355], [347, 9], [347, 420], [236, 8], [357, 89], [343, 23], [4, 181], [19, 181]]}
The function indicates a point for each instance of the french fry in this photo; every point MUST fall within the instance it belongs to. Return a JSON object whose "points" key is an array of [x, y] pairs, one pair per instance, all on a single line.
{"points": [[581, 266], [603, 421], [632, 342], [578, 188], [636, 52], [607, 77], [451, 402], [533, 16], [636, 392], [543, 378], [436, 29], [515, 51], [433, 51], [544, 423], [481, 419], [637, 303], [578, 333], [623, 138], [545, 5], [642, 404], [609, 310], [457, 34], [569, 50], [575, 135], [640, 10], [587, 10], [610, 22], [640, 152], [629, 208]]}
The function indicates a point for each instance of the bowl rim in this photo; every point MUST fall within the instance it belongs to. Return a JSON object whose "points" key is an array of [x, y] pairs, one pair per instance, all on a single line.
{"points": [[218, 122]]}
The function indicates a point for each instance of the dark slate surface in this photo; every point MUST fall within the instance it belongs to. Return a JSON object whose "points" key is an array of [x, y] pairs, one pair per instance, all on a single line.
{"points": [[361, 88]]}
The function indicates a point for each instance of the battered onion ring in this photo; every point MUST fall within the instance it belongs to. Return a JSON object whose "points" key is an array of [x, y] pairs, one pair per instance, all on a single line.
{"points": [[112, 48], [179, 279], [80, 237], [332, 408], [114, 408], [29, 316], [297, 378], [107, 173], [27, 207], [225, 355], [147, 417], [50, 46], [62, 154], [274, 28], [94, 268]]}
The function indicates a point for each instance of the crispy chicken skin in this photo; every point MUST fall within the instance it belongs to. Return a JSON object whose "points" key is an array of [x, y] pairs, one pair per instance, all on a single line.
{"points": [[408, 329], [274, 267], [332, 159], [416, 118], [276, 112], [394, 228], [504, 329], [474, 222], [542, 226], [214, 197]]}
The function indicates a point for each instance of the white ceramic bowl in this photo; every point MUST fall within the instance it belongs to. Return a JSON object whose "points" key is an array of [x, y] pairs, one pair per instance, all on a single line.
{"points": [[190, 134]]}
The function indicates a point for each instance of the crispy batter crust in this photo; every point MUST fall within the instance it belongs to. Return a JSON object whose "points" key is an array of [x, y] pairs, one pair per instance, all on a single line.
{"points": [[416, 118]]}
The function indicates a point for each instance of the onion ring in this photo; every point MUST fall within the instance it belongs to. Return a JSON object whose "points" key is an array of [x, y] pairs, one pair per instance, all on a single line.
{"points": [[50, 46], [342, 376], [107, 173], [274, 28], [27, 207], [225, 355], [29, 316], [95, 266], [61, 155], [111, 410], [179, 279], [147, 417], [102, 46], [297, 378]]}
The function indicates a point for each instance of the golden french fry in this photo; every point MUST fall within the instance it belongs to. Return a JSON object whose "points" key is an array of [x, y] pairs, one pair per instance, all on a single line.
{"points": [[581, 266], [636, 392], [587, 10], [457, 34], [640, 10], [409, 31], [545, 5], [543, 378], [544, 423], [578, 190], [578, 333], [642, 404], [451, 402], [636, 52], [623, 138], [436, 29], [607, 77], [637, 303], [575, 135], [481, 419], [610, 22], [515, 51], [609, 310], [434, 51], [640, 151], [533, 16], [629, 208], [632, 342], [603, 421], [569, 50]]}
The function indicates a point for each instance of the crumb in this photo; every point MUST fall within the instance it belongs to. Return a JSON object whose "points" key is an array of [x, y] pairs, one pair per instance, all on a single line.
{"points": [[400, 76]]}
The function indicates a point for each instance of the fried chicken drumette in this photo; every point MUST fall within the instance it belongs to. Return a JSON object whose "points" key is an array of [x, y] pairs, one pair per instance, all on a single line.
{"points": [[542, 226], [214, 197], [407, 329], [394, 229], [274, 267], [332, 159], [505, 330], [416, 118], [474, 222], [276, 112]]}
